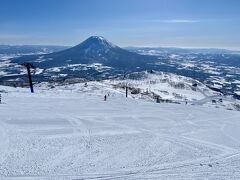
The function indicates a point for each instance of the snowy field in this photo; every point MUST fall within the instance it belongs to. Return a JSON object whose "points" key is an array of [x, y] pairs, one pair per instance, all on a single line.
{"points": [[71, 133]]}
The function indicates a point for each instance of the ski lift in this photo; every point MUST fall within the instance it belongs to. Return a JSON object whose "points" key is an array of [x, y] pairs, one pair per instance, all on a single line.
{"points": [[29, 66]]}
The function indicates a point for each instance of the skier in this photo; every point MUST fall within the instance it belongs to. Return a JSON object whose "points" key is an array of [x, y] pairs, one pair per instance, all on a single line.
{"points": [[105, 98]]}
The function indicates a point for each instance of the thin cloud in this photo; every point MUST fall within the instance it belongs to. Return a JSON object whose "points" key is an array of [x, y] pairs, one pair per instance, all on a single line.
{"points": [[12, 36], [177, 21]]}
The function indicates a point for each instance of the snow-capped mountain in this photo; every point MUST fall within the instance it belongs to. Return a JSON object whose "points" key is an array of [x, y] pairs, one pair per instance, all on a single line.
{"points": [[95, 49]]}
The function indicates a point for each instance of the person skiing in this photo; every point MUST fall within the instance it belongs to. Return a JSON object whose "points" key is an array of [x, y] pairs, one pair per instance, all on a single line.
{"points": [[105, 98]]}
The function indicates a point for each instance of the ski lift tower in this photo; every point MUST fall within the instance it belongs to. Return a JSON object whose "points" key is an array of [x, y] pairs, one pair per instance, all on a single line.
{"points": [[126, 84], [29, 66]]}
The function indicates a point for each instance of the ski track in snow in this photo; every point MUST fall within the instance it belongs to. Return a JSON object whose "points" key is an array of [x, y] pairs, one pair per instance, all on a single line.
{"points": [[76, 135]]}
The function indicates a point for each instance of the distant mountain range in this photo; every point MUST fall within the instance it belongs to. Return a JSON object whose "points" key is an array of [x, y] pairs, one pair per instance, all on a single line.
{"points": [[96, 58], [30, 49], [46, 49], [155, 51]]}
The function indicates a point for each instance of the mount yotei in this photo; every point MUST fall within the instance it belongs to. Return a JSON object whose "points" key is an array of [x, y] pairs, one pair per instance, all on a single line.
{"points": [[94, 55]]}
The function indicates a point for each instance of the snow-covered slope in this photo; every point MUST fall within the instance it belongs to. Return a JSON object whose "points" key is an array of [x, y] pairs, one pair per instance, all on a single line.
{"points": [[172, 88], [70, 132]]}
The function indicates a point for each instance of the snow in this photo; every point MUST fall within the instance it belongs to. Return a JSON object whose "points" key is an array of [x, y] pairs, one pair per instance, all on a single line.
{"points": [[174, 56], [69, 132], [188, 65], [38, 71], [54, 69], [169, 86], [78, 67], [236, 82], [101, 40], [2, 73]]}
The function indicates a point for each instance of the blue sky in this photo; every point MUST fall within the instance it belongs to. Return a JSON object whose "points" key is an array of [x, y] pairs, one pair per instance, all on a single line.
{"points": [[178, 23]]}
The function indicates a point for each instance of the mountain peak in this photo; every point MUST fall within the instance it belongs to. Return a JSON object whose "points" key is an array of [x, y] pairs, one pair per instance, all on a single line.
{"points": [[98, 41], [98, 38]]}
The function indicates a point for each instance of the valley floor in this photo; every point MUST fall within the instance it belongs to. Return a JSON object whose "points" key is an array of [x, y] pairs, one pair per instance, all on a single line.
{"points": [[66, 134]]}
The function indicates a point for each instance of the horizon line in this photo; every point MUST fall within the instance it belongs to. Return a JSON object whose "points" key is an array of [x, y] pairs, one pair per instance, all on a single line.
{"points": [[132, 46]]}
